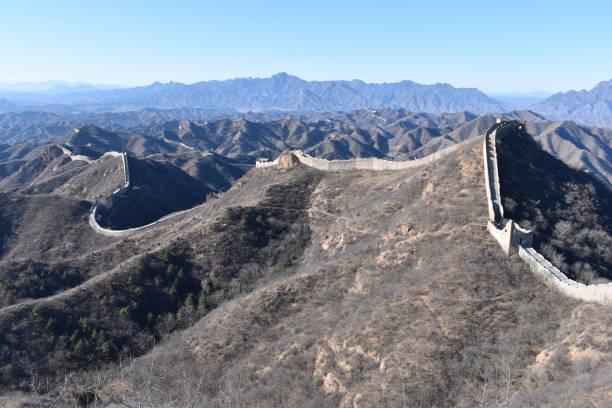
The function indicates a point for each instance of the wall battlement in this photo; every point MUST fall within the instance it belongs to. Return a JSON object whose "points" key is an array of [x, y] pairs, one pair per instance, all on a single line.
{"points": [[361, 163], [511, 237], [516, 240], [94, 215]]}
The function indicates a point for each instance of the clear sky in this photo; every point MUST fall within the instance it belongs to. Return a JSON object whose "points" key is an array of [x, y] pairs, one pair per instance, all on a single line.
{"points": [[496, 46]]}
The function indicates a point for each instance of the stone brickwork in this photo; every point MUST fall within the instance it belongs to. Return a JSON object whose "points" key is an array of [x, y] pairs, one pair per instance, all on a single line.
{"points": [[360, 163], [515, 240], [511, 237], [93, 214]]}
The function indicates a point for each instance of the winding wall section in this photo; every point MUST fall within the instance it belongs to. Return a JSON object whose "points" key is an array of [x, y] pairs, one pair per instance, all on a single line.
{"points": [[515, 240], [362, 163], [94, 215], [512, 238]]}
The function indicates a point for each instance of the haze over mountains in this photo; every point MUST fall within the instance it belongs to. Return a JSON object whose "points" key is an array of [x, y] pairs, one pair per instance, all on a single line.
{"points": [[284, 92], [592, 107], [281, 91], [50, 87]]}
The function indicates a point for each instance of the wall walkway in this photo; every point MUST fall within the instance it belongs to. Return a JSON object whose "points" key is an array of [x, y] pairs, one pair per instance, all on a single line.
{"points": [[93, 214], [515, 240], [512, 238], [361, 163]]}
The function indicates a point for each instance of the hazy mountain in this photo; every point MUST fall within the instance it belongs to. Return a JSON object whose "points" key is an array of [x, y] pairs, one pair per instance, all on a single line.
{"points": [[520, 100], [592, 107], [282, 91], [6, 106], [52, 87]]}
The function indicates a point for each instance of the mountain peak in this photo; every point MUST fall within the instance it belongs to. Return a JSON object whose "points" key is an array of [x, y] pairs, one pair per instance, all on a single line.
{"points": [[588, 107], [283, 76]]}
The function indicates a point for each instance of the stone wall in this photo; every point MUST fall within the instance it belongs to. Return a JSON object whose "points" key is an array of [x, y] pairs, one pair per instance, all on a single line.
{"points": [[516, 240], [512, 238], [554, 277], [262, 164], [93, 214], [371, 163], [361, 163]]}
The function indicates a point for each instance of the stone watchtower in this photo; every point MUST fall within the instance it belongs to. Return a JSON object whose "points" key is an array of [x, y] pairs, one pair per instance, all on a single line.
{"points": [[288, 160]]}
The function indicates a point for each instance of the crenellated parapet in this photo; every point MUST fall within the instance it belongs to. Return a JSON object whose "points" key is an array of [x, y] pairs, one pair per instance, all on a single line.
{"points": [[359, 163], [94, 214], [515, 240]]}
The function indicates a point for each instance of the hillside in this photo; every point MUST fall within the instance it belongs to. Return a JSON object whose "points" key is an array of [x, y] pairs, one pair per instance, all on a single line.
{"points": [[156, 189], [393, 133], [569, 211], [216, 172], [43, 227], [314, 289], [591, 107], [46, 201]]}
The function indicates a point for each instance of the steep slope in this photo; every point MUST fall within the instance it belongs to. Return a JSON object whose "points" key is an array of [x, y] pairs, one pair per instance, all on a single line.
{"points": [[303, 288], [153, 273], [156, 189], [401, 299], [593, 107], [52, 169], [569, 211], [86, 180], [44, 227], [216, 172], [45, 163], [582, 147]]}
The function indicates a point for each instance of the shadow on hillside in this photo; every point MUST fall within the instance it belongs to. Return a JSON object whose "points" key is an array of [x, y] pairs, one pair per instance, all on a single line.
{"points": [[569, 211]]}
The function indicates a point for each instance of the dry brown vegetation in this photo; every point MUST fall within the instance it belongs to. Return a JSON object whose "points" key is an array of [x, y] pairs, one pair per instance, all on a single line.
{"points": [[374, 289]]}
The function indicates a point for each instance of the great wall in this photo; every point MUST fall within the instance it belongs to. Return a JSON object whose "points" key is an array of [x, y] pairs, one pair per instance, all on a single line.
{"points": [[513, 239], [94, 215], [360, 163]]}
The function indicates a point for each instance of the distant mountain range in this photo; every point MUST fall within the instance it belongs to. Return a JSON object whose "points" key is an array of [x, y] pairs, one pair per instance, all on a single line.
{"points": [[592, 107], [281, 91], [52, 87], [386, 133], [520, 100]]}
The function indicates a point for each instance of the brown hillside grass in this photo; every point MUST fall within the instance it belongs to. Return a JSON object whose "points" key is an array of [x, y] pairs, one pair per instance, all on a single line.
{"points": [[399, 301], [394, 295]]}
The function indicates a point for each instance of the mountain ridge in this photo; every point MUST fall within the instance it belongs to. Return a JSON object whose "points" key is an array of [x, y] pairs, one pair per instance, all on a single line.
{"points": [[281, 91], [592, 107]]}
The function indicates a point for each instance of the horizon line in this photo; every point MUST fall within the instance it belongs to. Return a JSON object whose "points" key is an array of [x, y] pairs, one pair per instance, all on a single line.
{"points": [[127, 85]]}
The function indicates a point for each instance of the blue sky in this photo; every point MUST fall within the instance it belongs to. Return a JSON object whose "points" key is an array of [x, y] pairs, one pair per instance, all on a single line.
{"points": [[496, 46]]}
